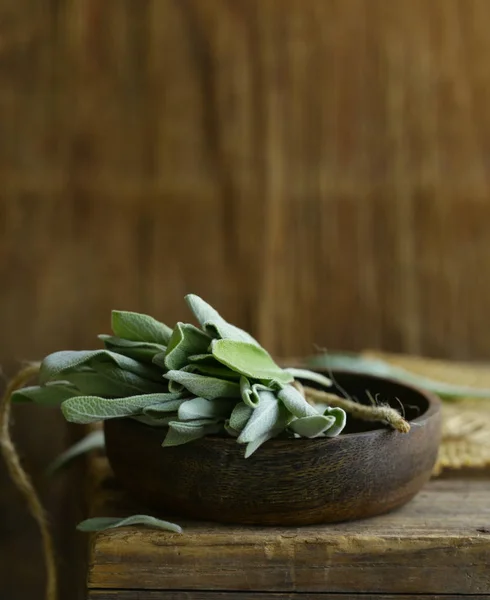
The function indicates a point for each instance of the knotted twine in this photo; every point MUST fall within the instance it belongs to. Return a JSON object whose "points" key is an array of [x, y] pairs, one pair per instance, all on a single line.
{"points": [[22, 480]]}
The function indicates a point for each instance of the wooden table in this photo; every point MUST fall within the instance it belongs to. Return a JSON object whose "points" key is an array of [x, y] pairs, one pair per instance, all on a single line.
{"points": [[436, 547]]}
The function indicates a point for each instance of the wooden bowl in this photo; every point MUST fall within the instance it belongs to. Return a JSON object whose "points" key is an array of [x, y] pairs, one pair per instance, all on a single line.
{"points": [[367, 470]]}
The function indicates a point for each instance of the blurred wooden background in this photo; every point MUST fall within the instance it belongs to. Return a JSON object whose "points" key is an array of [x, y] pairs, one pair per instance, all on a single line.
{"points": [[319, 170]]}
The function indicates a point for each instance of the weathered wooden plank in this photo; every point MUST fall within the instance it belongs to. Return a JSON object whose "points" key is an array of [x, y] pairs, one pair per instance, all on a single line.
{"points": [[437, 544], [196, 595]]}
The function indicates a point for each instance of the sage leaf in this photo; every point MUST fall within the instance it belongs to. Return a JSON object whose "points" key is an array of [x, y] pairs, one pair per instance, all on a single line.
{"points": [[310, 376], [185, 341], [229, 429], [340, 421], [168, 406], [214, 324], [251, 447], [132, 381], [267, 418], [142, 351], [104, 523], [240, 415], [139, 328], [90, 409], [176, 387], [58, 363], [282, 420], [249, 360], [111, 383], [313, 426], [155, 421], [203, 358], [204, 386], [51, 394], [295, 402], [182, 433], [93, 441], [200, 408], [246, 393], [250, 393]]}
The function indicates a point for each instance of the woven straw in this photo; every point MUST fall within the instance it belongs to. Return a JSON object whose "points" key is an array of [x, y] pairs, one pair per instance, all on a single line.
{"points": [[466, 422]]}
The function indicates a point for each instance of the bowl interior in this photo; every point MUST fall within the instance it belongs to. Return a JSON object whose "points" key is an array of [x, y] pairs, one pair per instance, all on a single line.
{"points": [[412, 404]]}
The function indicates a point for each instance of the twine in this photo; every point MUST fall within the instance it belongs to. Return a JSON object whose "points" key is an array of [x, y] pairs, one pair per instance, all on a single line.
{"points": [[382, 413], [22, 481]]}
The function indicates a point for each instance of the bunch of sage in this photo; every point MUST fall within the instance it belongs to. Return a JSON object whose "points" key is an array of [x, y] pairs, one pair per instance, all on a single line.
{"points": [[190, 381]]}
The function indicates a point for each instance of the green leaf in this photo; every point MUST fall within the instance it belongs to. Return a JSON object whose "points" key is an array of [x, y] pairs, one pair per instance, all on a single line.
{"points": [[251, 447], [59, 363], [141, 351], [51, 394], [310, 376], [240, 415], [203, 386], [156, 421], [249, 360], [269, 417], [182, 433], [139, 328], [93, 441], [90, 409], [295, 402], [200, 408], [138, 384], [111, 382], [104, 523], [340, 421], [373, 366], [311, 427], [171, 405], [207, 359], [250, 393], [214, 324], [229, 429], [185, 341]]}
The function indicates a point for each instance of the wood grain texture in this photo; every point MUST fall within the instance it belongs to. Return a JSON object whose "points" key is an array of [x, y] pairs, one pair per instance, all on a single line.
{"points": [[330, 158], [162, 595], [436, 544]]}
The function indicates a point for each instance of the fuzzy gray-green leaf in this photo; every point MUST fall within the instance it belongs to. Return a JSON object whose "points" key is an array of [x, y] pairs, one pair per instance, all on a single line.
{"points": [[213, 323], [141, 351], [200, 408], [340, 421], [139, 328], [92, 441], [155, 421], [138, 385], [104, 523], [313, 426], [90, 409], [250, 393], [240, 416], [55, 365], [203, 386], [184, 432], [264, 419], [310, 376], [185, 341], [295, 402], [249, 360], [170, 405], [51, 394], [282, 419]]}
